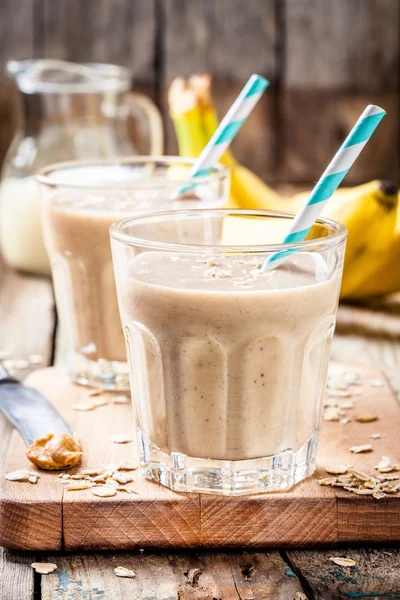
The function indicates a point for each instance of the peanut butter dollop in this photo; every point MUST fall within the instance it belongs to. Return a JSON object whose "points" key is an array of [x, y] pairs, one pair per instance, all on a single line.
{"points": [[54, 451]]}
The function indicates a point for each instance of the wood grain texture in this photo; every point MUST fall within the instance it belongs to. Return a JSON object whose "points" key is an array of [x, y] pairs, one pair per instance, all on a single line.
{"points": [[339, 57], [177, 576], [16, 42], [305, 516], [375, 575], [196, 37], [16, 575], [110, 31]]}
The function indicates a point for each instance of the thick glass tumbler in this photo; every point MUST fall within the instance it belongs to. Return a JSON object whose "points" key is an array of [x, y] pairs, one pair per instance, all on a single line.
{"points": [[80, 200], [229, 361]]}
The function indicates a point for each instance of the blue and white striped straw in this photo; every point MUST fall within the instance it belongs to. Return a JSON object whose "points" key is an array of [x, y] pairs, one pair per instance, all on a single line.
{"points": [[329, 181], [227, 130]]}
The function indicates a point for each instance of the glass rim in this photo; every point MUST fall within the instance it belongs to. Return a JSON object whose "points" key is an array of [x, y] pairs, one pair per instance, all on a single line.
{"points": [[338, 236], [44, 175], [112, 78]]}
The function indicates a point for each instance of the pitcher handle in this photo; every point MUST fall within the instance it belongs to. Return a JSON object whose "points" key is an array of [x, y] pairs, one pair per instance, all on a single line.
{"points": [[135, 101]]}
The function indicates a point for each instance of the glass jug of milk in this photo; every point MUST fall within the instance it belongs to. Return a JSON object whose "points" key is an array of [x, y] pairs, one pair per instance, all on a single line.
{"points": [[67, 112]]}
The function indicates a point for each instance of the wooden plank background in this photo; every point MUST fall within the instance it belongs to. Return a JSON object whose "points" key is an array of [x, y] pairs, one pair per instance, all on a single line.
{"points": [[326, 61]]}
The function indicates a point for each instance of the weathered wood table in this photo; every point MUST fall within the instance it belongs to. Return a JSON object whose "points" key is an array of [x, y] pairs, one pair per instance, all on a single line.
{"points": [[28, 326]]}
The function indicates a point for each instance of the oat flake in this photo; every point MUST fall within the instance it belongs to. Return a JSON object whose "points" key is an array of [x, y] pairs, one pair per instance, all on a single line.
{"points": [[44, 568], [83, 406], [343, 562], [359, 449], [103, 491], [73, 487], [120, 438], [336, 469], [120, 399], [123, 572], [20, 475]]}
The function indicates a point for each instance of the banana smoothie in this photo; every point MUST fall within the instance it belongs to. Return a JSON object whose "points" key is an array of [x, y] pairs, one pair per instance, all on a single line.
{"points": [[230, 362], [80, 201]]}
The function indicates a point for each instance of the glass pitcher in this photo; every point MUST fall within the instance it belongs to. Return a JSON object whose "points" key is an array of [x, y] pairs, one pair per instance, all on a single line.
{"points": [[67, 112]]}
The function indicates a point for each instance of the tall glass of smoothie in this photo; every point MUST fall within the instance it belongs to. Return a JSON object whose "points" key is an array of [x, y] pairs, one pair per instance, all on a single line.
{"points": [[229, 362], [80, 200]]}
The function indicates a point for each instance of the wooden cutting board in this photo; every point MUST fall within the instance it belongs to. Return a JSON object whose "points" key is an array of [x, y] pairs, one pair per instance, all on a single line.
{"points": [[46, 517]]}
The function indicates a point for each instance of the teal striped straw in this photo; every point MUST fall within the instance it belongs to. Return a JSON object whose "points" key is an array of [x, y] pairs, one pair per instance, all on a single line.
{"points": [[227, 130], [329, 181]]}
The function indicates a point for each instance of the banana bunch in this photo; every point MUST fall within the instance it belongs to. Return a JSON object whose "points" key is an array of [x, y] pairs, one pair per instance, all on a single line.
{"points": [[371, 212]]}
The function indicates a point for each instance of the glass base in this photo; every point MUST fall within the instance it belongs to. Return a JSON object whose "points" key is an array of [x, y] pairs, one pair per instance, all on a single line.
{"points": [[183, 473], [104, 374]]}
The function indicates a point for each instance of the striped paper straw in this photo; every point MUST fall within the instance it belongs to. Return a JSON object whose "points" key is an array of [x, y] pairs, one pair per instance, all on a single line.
{"points": [[227, 130], [330, 180]]}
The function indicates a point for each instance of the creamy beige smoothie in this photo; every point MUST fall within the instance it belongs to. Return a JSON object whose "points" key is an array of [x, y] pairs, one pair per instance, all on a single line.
{"points": [[78, 242], [230, 362]]}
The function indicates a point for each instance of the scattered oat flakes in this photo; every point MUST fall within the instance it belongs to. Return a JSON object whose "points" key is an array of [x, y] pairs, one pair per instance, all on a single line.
{"points": [[346, 404], [104, 491], [123, 488], [338, 393], [352, 378], [336, 469], [122, 478], [91, 472], [99, 402], [72, 487], [83, 406], [19, 475], [93, 393], [35, 359], [127, 465], [331, 414], [359, 475], [378, 495], [343, 562], [385, 465], [327, 481], [120, 438], [123, 572], [376, 436], [344, 421], [44, 568], [366, 418], [33, 478], [376, 383], [388, 477], [359, 449], [120, 399], [112, 483]]}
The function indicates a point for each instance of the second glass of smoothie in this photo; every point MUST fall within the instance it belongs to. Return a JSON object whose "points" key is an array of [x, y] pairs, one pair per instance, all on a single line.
{"points": [[230, 362], [80, 200]]}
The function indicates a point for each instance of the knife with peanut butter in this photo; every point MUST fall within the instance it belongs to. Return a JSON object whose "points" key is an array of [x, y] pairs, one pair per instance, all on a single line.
{"points": [[50, 441]]}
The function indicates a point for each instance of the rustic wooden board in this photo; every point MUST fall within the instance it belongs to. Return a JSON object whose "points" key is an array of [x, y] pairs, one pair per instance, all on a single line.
{"points": [[375, 574], [30, 516], [334, 66], [220, 576]]}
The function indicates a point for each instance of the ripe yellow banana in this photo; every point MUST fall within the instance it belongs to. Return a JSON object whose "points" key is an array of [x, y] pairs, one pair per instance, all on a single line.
{"points": [[385, 277], [370, 217], [369, 211], [195, 121]]}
